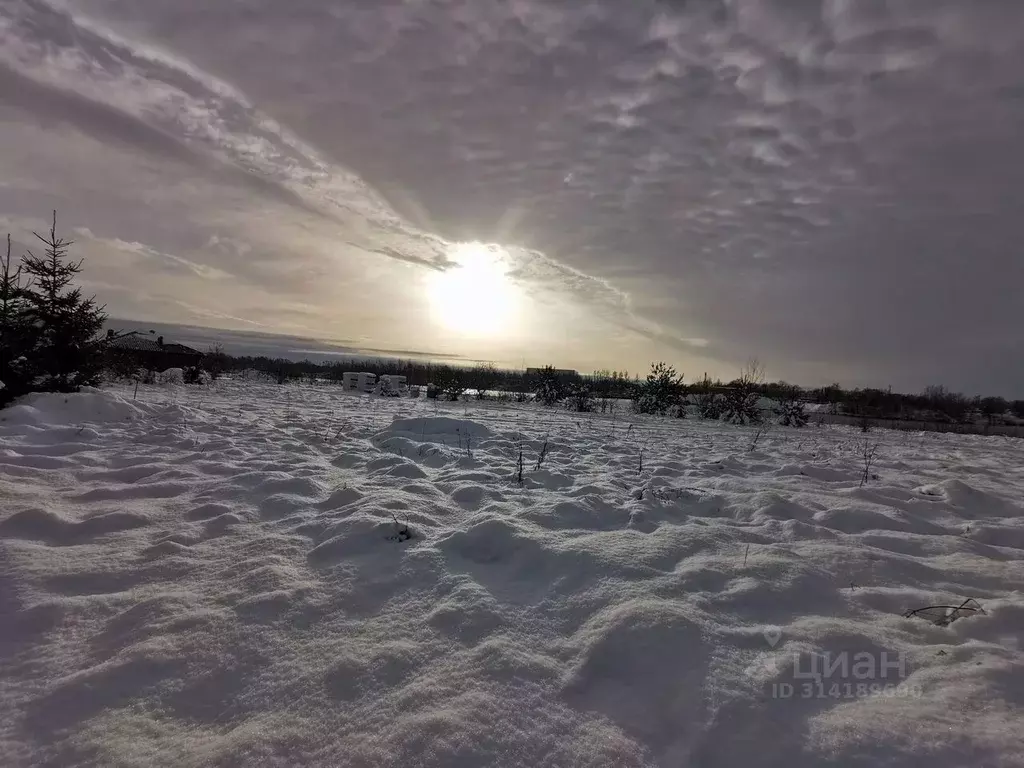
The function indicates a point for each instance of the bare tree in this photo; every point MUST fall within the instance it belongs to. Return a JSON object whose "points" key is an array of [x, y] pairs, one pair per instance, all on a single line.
{"points": [[452, 383], [482, 378], [10, 289], [763, 428]]}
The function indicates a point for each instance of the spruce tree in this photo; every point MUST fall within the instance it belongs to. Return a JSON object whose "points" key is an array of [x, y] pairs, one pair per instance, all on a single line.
{"points": [[550, 389], [67, 352], [15, 331], [662, 391]]}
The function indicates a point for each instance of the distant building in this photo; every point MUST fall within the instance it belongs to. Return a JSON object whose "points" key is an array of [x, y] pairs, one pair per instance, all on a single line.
{"points": [[556, 371], [149, 353]]}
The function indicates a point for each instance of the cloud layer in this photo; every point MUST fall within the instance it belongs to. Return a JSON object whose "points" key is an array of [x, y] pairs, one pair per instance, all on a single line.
{"points": [[832, 186]]}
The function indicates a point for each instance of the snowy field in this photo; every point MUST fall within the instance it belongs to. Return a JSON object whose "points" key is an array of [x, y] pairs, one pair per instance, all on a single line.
{"points": [[213, 577]]}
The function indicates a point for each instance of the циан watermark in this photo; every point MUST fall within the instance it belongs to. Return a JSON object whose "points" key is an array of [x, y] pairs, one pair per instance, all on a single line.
{"points": [[843, 674]]}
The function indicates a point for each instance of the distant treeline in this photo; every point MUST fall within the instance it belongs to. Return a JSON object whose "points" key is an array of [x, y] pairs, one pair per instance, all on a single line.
{"points": [[936, 403]]}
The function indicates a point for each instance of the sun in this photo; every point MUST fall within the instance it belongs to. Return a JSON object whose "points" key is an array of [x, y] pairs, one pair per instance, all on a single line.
{"points": [[475, 297]]}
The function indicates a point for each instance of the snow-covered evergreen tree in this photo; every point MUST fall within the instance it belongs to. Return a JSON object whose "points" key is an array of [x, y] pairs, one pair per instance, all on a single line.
{"points": [[66, 352], [550, 389], [661, 392], [15, 331], [790, 407]]}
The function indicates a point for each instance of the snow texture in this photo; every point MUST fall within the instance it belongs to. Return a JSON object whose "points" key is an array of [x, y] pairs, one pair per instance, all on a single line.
{"points": [[213, 576]]}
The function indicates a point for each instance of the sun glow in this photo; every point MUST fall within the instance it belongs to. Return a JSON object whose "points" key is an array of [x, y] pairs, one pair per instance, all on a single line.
{"points": [[475, 297]]}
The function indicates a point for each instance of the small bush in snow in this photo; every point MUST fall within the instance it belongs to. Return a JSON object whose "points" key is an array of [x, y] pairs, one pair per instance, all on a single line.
{"points": [[402, 532], [709, 405], [386, 389], [706, 401], [215, 360], [580, 399], [762, 429], [740, 407], [172, 376], [792, 414], [193, 374], [790, 408], [740, 401]]}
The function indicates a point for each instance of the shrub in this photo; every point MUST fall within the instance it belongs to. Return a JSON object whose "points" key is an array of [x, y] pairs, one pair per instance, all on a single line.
{"points": [[739, 403], [215, 361], [193, 374], [708, 403], [120, 364], [385, 389], [581, 399], [450, 383], [952, 405], [790, 408], [172, 376], [661, 391], [792, 414]]}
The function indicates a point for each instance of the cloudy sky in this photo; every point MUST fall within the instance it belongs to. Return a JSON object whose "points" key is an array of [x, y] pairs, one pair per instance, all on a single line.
{"points": [[833, 186]]}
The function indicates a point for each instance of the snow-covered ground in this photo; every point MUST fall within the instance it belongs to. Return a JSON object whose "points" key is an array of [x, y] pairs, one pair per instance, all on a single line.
{"points": [[212, 576]]}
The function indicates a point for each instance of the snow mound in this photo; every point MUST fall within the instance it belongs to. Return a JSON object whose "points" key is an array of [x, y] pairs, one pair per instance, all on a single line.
{"points": [[90, 405], [43, 525], [643, 665]]}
